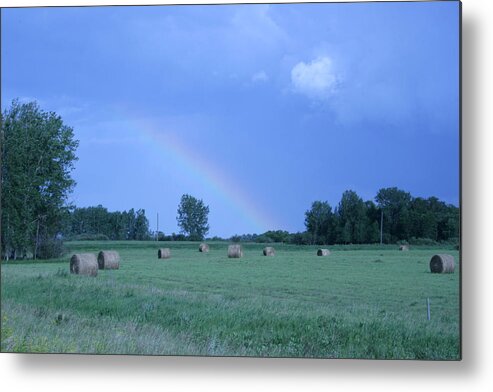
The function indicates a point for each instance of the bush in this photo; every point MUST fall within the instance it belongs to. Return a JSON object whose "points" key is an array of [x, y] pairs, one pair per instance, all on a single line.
{"points": [[50, 249], [300, 238], [263, 239], [216, 238], [277, 235], [179, 237], [91, 237], [451, 241], [422, 241]]}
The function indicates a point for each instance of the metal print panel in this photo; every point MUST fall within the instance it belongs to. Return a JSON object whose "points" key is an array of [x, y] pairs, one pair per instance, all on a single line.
{"points": [[260, 180]]}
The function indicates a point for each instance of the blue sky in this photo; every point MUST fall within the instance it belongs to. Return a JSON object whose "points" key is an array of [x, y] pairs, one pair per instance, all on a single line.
{"points": [[257, 109]]}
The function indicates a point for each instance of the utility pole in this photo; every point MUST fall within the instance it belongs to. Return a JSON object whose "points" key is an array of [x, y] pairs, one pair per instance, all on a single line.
{"points": [[157, 227], [381, 226]]}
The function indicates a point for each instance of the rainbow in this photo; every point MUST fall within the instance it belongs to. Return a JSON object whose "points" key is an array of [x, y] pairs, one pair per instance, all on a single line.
{"points": [[204, 170]]}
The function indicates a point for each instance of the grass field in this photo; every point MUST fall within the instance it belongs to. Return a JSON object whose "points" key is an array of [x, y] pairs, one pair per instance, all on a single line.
{"points": [[359, 302]]}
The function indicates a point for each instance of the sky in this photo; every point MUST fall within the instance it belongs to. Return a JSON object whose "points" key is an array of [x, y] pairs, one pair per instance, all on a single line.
{"points": [[258, 110]]}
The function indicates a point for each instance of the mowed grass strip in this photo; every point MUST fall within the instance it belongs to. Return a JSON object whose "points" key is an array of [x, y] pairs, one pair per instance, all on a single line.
{"points": [[365, 303]]}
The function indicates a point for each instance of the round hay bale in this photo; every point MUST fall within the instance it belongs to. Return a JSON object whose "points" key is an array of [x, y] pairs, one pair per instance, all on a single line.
{"points": [[442, 264], [323, 252], [84, 264], [269, 251], [235, 251], [404, 247], [203, 248], [108, 259], [163, 253]]}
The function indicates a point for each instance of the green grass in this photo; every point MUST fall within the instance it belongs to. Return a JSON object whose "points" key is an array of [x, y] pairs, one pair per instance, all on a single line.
{"points": [[360, 302]]}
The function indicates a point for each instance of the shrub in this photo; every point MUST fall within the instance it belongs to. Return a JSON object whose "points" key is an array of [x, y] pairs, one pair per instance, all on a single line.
{"points": [[454, 241], [91, 237], [178, 237], [50, 248], [216, 238], [263, 239], [235, 238], [422, 241], [300, 238]]}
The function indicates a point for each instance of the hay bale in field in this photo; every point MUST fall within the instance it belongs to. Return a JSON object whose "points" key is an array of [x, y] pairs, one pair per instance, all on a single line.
{"points": [[163, 253], [108, 259], [235, 251], [203, 248], [442, 264], [269, 251], [84, 264], [404, 247], [323, 252]]}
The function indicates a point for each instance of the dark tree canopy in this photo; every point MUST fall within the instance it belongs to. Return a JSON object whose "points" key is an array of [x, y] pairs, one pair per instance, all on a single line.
{"points": [[99, 223], [406, 218], [395, 204], [38, 155], [318, 221], [352, 217], [193, 218]]}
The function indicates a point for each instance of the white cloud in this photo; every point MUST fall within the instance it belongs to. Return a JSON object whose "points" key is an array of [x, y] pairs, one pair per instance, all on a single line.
{"points": [[260, 76], [316, 80]]}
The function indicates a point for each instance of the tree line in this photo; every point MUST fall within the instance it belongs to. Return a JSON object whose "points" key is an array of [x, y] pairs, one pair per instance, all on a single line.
{"points": [[97, 223], [394, 216], [403, 218]]}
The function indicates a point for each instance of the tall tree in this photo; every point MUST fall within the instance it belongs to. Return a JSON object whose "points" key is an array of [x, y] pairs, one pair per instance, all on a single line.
{"points": [[319, 222], [193, 217], [395, 204], [141, 226], [38, 154], [351, 212], [373, 222]]}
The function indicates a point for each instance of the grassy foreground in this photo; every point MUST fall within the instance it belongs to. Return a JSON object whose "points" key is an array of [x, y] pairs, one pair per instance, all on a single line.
{"points": [[359, 302]]}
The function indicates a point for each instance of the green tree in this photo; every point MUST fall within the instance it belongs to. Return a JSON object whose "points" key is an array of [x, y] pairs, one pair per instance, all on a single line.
{"points": [[38, 153], [126, 225], [395, 204], [193, 218], [277, 235], [352, 217], [373, 222], [141, 226], [319, 222], [433, 219]]}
